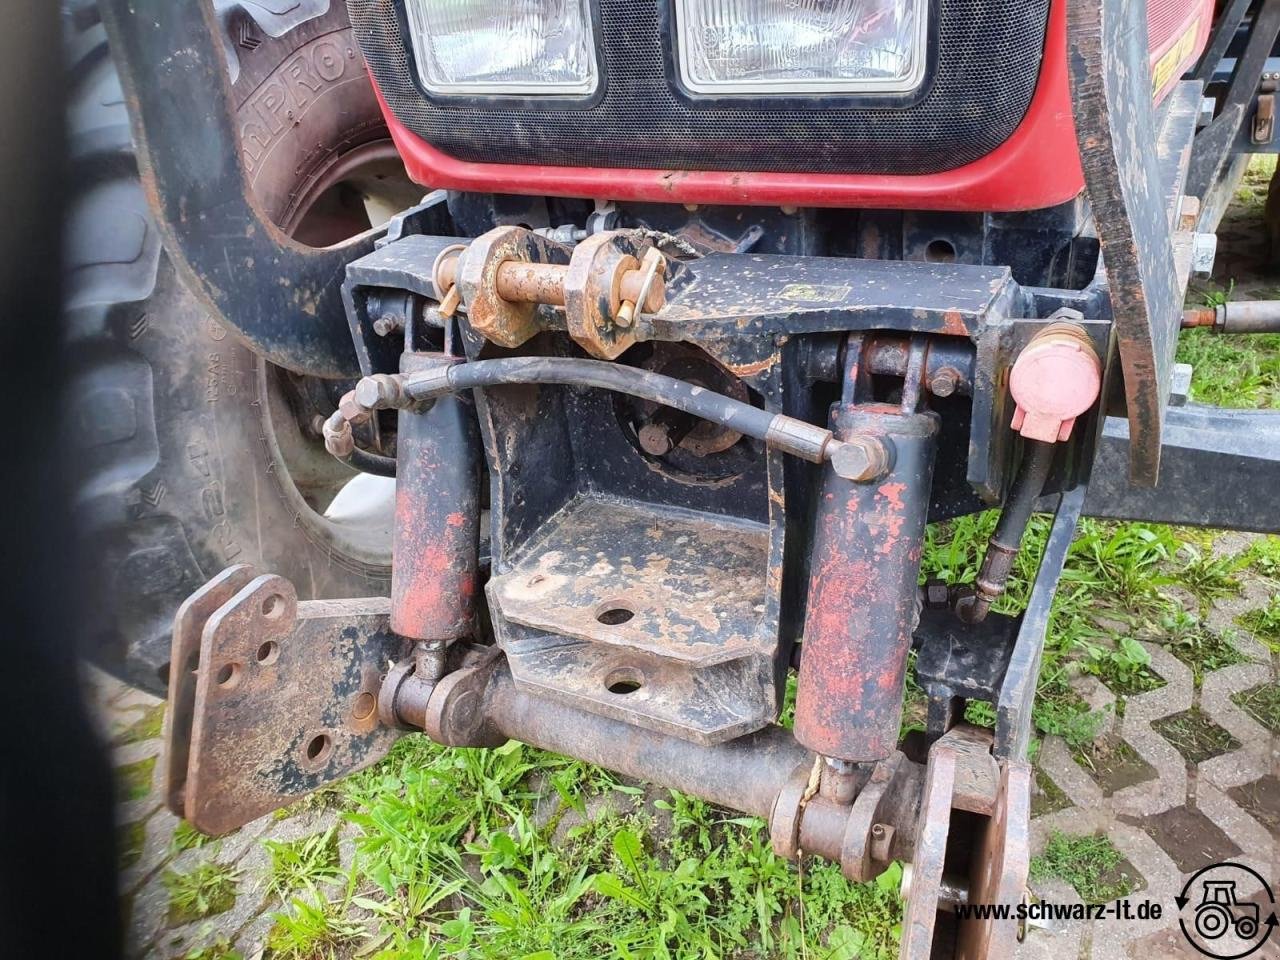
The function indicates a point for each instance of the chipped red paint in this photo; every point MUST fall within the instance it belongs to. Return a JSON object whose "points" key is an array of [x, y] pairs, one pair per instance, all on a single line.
{"points": [[862, 592], [435, 551]]}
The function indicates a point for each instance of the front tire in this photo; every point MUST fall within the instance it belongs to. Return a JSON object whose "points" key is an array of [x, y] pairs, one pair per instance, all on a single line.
{"points": [[191, 455]]}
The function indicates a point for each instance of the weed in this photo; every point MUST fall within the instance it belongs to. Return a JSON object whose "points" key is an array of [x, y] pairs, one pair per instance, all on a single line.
{"points": [[149, 727], [1197, 646], [220, 949], [311, 930], [1264, 623], [133, 780], [130, 840], [1208, 577], [1124, 667], [1092, 865], [1232, 370], [1195, 736], [305, 862], [187, 837], [208, 889], [1263, 556], [1263, 704]]}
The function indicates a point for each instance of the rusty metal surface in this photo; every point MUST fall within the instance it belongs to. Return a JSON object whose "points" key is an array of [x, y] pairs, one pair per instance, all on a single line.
{"points": [[921, 914], [642, 615], [184, 663], [630, 575], [1116, 129], [286, 700], [593, 293], [998, 871], [862, 604], [736, 295], [435, 551], [743, 774], [508, 323]]}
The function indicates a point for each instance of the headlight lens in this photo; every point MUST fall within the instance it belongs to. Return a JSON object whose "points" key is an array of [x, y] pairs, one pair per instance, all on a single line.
{"points": [[776, 47], [504, 46]]}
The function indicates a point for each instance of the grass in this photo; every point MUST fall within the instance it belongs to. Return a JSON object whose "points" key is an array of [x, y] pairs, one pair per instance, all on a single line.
{"points": [[1264, 623], [1091, 865], [1232, 370], [1200, 648], [133, 780], [1195, 736], [130, 840], [203, 891], [1263, 704], [302, 864], [187, 837], [149, 727]]}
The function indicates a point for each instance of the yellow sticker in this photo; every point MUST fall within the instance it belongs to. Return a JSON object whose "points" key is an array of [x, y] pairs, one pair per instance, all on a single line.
{"points": [[814, 293], [1171, 63]]}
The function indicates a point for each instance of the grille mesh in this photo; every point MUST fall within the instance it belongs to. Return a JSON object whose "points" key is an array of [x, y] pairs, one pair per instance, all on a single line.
{"points": [[988, 66]]}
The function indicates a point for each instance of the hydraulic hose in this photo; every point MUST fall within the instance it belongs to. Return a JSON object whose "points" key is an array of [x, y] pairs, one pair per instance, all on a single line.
{"points": [[373, 463], [786, 433], [1002, 549]]}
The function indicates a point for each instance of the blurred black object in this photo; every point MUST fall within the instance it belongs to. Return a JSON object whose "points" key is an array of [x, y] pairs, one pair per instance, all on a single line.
{"points": [[57, 835]]}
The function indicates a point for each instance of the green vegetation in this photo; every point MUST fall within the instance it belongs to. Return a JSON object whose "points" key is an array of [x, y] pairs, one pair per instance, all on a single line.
{"points": [[1197, 646], [1195, 736], [187, 837], [133, 780], [1263, 704], [130, 839], [204, 891], [220, 949], [1265, 623], [304, 863], [1092, 865], [150, 727]]}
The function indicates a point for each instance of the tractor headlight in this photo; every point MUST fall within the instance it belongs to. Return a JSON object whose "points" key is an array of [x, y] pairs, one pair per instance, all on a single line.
{"points": [[780, 47], [517, 47]]}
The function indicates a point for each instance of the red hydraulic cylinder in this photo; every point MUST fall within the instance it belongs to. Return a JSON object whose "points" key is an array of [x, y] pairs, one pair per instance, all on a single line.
{"points": [[434, 569], [863, 598]]}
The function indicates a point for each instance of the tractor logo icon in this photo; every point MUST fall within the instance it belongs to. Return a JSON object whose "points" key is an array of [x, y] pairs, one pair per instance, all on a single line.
{"points": [[1219, 911], [1227, 911]]}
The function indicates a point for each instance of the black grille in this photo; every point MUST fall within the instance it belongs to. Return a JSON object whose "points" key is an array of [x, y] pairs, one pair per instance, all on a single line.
{"points": [[988, 63]]}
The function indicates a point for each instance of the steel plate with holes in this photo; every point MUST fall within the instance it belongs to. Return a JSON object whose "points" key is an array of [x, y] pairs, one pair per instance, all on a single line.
{"points": [[686, 587], [285, 699]]}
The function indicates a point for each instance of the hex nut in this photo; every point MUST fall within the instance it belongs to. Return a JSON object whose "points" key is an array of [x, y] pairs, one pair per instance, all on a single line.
{"points": [[936, 594], [352, 410]]}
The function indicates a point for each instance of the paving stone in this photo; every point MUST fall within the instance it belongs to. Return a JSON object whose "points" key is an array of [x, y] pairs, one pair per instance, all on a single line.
{"points": [[1190, 838]]}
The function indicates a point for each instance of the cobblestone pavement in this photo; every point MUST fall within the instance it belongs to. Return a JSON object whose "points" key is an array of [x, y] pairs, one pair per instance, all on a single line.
{"points": [[1174, 804]]}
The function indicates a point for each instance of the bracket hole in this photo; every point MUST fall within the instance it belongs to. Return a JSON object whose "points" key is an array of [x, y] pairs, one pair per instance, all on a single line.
{"points": [[536, 579], [273, 606], [268, 653], [362, 709], [623, 681], [614, 613], [229, 676], [940, 251], [193, 662], [318, 749]]}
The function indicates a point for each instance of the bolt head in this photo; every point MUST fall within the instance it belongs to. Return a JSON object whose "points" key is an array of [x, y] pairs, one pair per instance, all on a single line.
{"points": [[861, 459], [944, 383]]}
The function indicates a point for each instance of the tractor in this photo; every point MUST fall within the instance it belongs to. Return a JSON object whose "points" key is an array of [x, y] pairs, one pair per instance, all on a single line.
{"points": [[580, 372], [1220, 911]]}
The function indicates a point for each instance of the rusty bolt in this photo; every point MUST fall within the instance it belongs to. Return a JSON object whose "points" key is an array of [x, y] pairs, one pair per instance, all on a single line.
{"points": [[936, 594], [944, 382], [379, 392], [352, 410], [861, 459], [881, 842], [388, 324]]}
